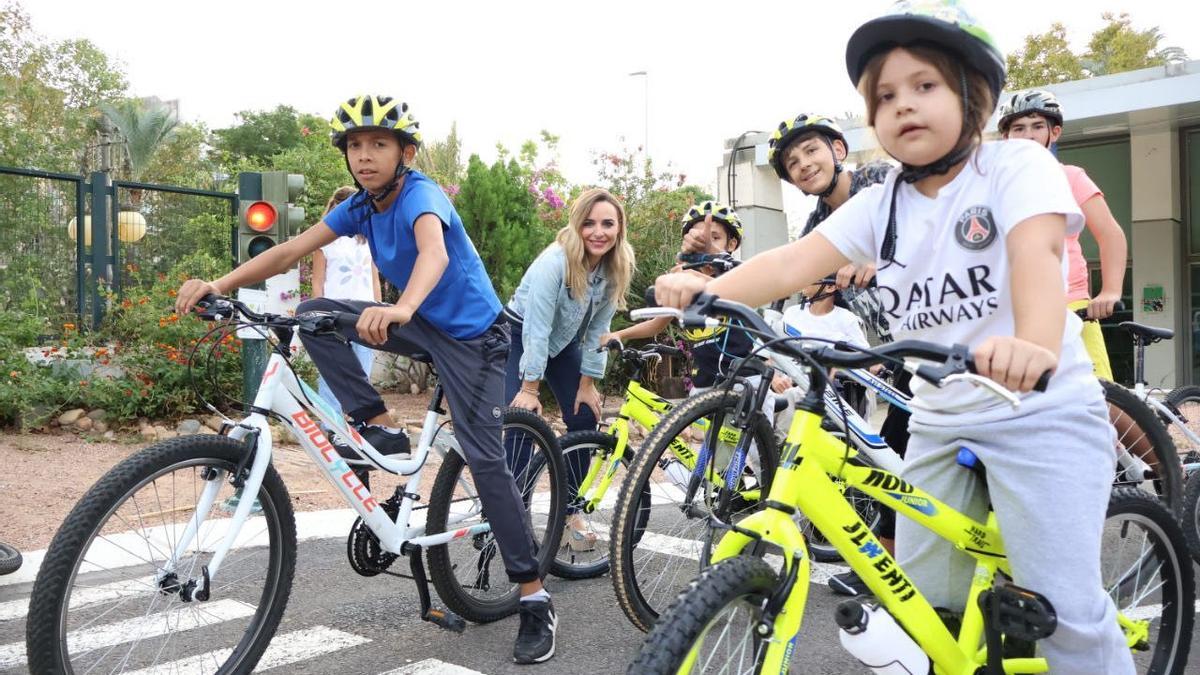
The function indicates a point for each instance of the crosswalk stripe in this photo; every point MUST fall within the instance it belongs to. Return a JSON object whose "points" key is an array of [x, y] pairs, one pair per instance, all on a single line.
{"points": [[142, 627], [432, 667], [285, 649], [16, 609]]}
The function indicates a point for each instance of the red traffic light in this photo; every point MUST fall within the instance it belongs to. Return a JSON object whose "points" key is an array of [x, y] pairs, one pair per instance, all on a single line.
{"points": [[260, 216]]}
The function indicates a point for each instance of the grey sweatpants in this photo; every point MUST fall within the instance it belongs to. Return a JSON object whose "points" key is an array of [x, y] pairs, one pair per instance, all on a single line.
{"points": [[471, 373], [1049, 474]]}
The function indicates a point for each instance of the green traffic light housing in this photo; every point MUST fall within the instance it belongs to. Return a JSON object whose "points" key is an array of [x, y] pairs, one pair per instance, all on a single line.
{"points": [[268, 216]]}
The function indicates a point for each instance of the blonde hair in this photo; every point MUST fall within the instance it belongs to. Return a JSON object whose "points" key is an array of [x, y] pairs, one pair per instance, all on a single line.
{"points": [[980, 102], [619, 263], [340, 195]]}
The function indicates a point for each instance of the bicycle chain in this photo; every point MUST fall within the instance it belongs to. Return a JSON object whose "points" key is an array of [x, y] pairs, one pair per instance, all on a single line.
{"points": [[366, 556]]}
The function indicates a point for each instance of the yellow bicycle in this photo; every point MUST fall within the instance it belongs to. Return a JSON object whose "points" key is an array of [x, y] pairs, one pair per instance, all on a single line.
{"points": [[596, 461], [743, 616]]}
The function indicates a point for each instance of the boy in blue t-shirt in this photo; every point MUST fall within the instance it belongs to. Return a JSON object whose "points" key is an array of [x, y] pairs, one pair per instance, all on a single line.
{"points": [[447, 309]]}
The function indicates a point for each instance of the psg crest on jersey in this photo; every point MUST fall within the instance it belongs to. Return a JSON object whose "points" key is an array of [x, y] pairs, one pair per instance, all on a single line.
{"points": [[975, 229]]}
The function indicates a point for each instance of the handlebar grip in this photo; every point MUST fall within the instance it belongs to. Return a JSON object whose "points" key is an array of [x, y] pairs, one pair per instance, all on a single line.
{"points": [[1043, 381], [649, 297]]}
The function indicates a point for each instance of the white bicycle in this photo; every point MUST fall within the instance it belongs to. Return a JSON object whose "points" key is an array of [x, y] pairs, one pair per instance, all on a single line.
{"points": [[165, 563]]}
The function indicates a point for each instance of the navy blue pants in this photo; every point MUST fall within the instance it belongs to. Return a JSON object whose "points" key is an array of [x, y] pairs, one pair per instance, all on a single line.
{"points": [[562, 374]]}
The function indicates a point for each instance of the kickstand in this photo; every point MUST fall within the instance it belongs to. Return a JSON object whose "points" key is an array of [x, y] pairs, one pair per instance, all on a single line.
{"points": [[442, 618]]}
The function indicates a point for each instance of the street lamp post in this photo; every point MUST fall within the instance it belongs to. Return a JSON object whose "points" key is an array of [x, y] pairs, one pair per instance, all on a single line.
{"points": [[645, 109]]}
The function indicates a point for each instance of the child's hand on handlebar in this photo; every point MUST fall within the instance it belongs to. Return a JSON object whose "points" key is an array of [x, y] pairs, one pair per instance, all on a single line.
{"points": [[677, 290], [1014, 363], [191, 292], [1103, 305]]}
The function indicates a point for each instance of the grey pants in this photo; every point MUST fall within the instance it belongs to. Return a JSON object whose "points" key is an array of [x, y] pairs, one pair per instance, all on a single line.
{"points": [[471, 373], [1049, 474]]}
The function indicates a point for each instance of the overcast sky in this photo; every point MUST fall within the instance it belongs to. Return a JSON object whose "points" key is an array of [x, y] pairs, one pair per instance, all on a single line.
{"points": [[505, 70]]}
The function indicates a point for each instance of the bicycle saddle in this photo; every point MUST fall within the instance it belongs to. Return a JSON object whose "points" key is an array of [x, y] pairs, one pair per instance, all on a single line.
{"points": [[1150, 334]]}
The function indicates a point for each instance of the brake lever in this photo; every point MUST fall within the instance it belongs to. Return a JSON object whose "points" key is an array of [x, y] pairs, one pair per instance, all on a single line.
{"points": [[987, 383]]}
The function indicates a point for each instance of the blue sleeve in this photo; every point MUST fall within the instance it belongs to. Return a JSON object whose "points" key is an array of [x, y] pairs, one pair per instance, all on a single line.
{"points": [[427, 197], [341, 221], [594, 362], [545, 278]]}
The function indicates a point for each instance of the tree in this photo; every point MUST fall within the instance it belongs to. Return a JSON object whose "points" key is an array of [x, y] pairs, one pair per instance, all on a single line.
{"points": [[144, 127], [260, 134], [1046, 58], [1119, 47], [501, 216], [442, 160]]}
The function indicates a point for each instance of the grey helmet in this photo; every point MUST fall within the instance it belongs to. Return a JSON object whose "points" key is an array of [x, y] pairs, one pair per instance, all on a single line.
{"points": [[1037, 101]]}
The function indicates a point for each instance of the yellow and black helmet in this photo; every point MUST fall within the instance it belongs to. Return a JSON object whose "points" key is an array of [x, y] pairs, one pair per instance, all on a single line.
{"points": [[719, 212], [790, 130], [374, 112]]}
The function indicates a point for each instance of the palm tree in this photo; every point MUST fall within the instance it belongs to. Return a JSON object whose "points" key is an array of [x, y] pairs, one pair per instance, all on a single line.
{"points": [[143, 127]]}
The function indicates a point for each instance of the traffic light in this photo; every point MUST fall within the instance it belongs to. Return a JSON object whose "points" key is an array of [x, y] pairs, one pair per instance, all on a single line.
{"points": [[267, 215]]}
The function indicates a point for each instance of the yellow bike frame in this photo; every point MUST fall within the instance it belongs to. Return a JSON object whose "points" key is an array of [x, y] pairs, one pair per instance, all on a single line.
{"points": [[809, 486], [645, 408]]}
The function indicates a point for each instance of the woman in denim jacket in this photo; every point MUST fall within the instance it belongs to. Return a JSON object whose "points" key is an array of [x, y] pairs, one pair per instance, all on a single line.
{"points": [[565, 302]]}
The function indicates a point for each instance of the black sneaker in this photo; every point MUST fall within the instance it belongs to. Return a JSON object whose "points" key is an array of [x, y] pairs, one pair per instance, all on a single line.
{"points": [[535, 638], [848, 583], [392, 444]]}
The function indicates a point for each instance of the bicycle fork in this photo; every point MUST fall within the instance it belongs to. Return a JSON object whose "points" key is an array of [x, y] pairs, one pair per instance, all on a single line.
{"points": [[256, 434]]}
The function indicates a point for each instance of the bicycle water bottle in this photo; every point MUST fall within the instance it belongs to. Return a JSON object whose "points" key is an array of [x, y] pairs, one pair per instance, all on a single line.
{"points": [[873, 637], [678, 473]]}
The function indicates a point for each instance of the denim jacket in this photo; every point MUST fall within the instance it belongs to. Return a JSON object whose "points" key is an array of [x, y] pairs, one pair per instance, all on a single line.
{"points": [[551, 319]]}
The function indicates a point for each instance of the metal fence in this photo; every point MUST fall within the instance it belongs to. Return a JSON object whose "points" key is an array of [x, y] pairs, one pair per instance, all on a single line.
{"points": [[53, 265]]}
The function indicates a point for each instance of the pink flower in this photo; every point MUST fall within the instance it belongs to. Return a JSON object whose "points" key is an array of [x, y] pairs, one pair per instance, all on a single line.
{"points": [[452, 189]]}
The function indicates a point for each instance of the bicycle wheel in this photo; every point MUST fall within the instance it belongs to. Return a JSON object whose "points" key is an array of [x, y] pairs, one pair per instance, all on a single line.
{"points": [[10, 559], [658, 542], [1146, 456], [1185, 402], [710, 628], [106, 598], [580, 449], [1146, 571], [469, 573], [1190, 518]]}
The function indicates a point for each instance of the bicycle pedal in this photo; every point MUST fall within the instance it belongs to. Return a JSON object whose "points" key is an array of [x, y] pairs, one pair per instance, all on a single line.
{"points": [[1018, 613], [444, 618]]}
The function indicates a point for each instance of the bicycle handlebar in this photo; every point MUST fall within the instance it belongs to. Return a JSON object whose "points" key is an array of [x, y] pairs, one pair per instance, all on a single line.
{"points": [[1081, 312], [955, 360]]}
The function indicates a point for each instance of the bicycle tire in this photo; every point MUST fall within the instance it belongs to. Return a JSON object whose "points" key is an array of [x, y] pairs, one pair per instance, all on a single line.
{"points": [[442, 565], [631, 521], [1170, 585], [1185, 403], [1189, 518], [741, 580], [568, 563], [1166, 476], [10, 559], [47, 629]]}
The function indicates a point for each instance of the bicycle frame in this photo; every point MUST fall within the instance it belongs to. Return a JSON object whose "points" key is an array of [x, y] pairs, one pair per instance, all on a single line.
{"points": [[293, 403], [1143, 393], [807, 485]]}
